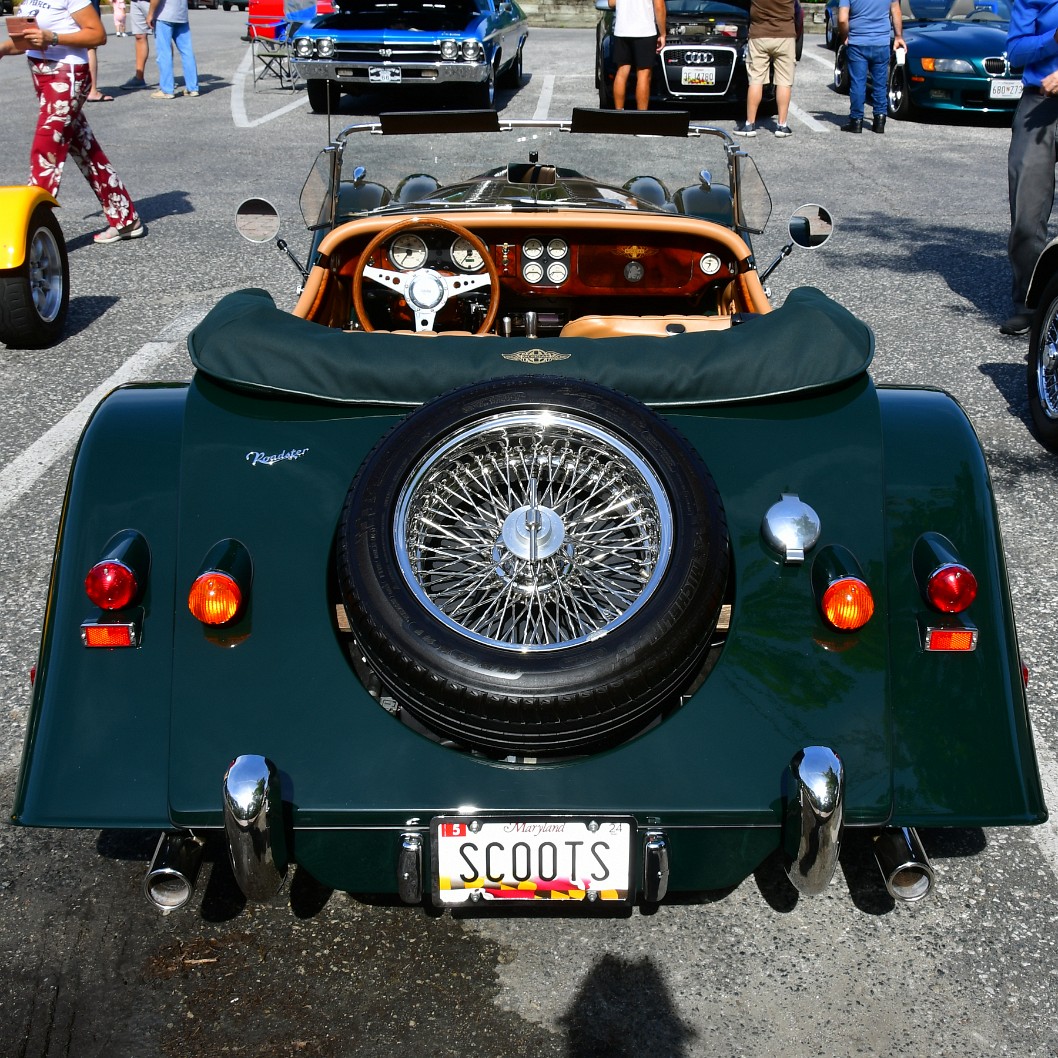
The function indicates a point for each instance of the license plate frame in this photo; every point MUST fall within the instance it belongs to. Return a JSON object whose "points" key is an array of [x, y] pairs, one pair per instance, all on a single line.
{"points": [[529, 849], [1005, 90], [384, 74], [698, 76]]}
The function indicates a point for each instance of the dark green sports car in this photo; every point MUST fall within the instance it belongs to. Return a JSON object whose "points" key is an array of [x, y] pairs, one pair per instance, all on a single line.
{"points": [[534, 556]]}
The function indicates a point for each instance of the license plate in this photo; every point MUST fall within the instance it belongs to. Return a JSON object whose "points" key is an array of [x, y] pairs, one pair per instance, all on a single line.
{"points": [[698, 75], [532, 859], [1005, 90], [383, 74]]}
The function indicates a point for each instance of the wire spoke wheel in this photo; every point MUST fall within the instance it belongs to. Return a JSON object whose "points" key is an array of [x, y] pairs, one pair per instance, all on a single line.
{"points": [[1042, 375], [533, 531]]}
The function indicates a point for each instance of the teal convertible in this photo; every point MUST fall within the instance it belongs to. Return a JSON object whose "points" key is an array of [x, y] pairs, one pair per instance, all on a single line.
{"points": [[534, 556]]}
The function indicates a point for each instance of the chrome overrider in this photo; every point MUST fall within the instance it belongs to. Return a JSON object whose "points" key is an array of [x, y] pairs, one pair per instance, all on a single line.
{"points": [[813, 818], [173, 871], [905, 868], [253, 823]]}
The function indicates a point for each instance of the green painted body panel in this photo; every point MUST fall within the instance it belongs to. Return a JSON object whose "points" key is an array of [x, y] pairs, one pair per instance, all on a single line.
{"points": [[147, 734]]}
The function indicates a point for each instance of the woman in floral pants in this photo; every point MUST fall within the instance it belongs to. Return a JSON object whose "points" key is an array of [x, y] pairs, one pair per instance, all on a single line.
{"points": [[56, 46]]}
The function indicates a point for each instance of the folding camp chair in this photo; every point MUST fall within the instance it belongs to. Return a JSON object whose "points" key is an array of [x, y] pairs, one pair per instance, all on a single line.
{"points": [[271, 54]]}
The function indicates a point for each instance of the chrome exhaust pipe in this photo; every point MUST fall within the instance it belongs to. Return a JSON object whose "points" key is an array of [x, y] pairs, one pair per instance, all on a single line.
{"points": [[905, 868], [173, 871]]}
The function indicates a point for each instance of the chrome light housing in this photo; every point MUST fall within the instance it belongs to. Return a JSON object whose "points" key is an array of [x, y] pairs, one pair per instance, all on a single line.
{"points": [[303, 47], [325, 47], [472, 50], [449, 50]]}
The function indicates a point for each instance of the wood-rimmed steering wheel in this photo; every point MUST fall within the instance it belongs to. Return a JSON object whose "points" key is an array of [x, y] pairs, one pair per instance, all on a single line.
{"points": [[427, 290]]}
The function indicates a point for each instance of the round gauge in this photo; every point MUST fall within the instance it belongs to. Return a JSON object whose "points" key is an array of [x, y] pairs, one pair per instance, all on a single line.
{"points": [[557, 248], [634, 271], [557, 272], [533, 272], [533, 249], [466, 257], [407, 252], [709, 264]]}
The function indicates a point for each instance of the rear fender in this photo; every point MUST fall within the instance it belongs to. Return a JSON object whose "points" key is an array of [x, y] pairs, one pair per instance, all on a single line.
{"points": [[16, 207], [1046, 266]]}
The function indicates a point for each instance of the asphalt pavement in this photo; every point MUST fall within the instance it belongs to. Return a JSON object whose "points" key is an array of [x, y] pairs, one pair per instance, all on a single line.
{"points": [[89, 969]]}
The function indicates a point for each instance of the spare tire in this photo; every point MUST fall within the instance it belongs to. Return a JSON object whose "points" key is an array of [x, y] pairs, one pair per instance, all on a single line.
{"points": [[533, 566]]}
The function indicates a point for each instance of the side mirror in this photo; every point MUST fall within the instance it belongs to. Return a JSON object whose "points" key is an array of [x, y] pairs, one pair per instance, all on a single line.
{"points": [[257, 220], [811, 225]]}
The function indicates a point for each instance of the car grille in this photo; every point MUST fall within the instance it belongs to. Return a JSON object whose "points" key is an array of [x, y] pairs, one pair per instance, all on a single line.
{"points": [[374, 53], [997, 66], [701, 59]]}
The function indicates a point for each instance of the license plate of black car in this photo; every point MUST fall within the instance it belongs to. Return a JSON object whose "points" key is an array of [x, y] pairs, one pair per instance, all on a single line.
{"points": [[698, 75], [532, 859], [383, 74]]}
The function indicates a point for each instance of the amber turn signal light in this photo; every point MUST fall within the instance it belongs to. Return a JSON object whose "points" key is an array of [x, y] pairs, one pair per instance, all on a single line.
{"points": [[844, 598], [219, 592]]}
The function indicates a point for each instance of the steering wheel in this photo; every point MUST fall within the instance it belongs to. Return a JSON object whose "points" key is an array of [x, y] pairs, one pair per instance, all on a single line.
{"points": [[427, 290]]}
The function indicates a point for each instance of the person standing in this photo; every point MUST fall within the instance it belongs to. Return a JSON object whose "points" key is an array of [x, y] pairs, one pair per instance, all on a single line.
{"points": [[1032, 42], [638, 36], [119, 12], [772, 50], [136, 20], [57, 50], [865, 26], [169, 20]]}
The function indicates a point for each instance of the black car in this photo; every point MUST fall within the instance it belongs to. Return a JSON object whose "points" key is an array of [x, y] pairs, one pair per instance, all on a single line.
{"points": [[704, 58]]}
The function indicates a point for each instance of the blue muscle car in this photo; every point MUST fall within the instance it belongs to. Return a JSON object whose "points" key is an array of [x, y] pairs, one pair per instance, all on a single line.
{"points": [[472, 44]]}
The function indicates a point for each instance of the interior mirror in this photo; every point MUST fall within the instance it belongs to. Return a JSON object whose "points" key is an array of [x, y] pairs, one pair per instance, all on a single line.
{"points": [[811, 225], [531, 173], [257, 220]]}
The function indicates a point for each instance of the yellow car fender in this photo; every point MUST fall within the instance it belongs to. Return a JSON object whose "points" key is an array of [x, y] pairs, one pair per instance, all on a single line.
{"points": [[16, 207]]}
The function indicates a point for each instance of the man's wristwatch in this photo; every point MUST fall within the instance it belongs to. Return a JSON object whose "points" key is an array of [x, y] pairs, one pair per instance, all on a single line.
{"points": [[54, 38]]}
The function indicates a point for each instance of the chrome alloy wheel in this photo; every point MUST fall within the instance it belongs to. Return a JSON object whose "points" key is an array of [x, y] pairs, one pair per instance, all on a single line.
{"points": [[533, 530], [45, 273]]}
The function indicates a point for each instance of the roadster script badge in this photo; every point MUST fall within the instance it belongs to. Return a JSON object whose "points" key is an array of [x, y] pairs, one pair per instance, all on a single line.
{"points": [[536, 356], [266, 460], [634, 252]]}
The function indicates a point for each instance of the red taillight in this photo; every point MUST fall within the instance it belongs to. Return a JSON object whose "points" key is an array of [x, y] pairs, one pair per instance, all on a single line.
{"points": [[111, 585], [951, 588], [215, 598], [848, 604]]}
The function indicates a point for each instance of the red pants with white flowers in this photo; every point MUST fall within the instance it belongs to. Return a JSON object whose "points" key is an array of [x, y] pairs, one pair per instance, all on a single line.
{"points": [[62, 130]]}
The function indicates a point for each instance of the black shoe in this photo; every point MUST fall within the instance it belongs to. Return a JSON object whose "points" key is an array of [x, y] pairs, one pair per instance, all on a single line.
{"points": [[854, 125], [1017, 324], [879, 123]]}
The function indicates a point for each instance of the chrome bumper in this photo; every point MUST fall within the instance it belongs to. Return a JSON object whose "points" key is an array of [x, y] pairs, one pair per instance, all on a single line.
{"points": [[813, 819], [414, 73], [253, 823]]}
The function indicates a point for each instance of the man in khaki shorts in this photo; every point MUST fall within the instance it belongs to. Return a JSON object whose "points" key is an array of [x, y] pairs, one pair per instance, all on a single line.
{"points": [[772, 48]]}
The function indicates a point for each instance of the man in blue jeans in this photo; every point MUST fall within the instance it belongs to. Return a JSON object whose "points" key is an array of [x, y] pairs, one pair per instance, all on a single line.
{"points": [[1032, 42], [865, 26]]}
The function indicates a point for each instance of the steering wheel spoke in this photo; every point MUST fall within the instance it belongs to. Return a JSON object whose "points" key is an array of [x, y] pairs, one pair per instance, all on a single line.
{"points": [[390, 279]]}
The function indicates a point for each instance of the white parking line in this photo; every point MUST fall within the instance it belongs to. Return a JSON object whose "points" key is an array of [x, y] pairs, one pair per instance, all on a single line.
{"points": [[806, 119], [543, 104], [821, 59], [238, 91], [26, 469]]}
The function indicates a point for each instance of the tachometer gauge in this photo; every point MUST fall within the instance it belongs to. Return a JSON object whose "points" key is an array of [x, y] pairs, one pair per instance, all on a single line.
{"points": [[533, 272], [557, 272], [557, 248], [533, 249], [465, 256], [407, 252]]}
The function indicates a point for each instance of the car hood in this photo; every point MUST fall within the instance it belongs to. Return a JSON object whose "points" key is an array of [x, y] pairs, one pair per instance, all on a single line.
{"points": [[956, 39]]}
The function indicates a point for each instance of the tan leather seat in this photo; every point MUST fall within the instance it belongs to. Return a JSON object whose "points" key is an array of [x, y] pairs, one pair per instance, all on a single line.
{"points": [[648, 326]]}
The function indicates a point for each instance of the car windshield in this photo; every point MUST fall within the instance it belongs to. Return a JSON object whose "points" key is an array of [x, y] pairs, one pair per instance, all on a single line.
{"points": [[537, 165], [960, 10], [707, 8], [408, 14]]}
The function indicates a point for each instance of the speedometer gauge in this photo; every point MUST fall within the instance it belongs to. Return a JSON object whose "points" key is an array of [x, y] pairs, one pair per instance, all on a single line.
{"points": [[465, 256], [407, 252]]}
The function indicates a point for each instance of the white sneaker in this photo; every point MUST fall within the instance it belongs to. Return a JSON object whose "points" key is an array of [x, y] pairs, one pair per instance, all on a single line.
{"points": [[747, 128]]}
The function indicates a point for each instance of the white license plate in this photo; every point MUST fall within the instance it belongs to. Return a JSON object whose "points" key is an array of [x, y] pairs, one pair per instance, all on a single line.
{"points": [[1005, 90], [532, 859], [383, 74], [700, 75]]}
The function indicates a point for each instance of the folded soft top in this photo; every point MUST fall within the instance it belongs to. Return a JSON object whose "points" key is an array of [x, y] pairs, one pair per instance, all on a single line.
{"points": [[811, 343]]}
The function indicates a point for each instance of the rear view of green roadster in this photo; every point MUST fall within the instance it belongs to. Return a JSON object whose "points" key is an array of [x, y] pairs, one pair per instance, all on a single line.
{"points": [[533, 556]]}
